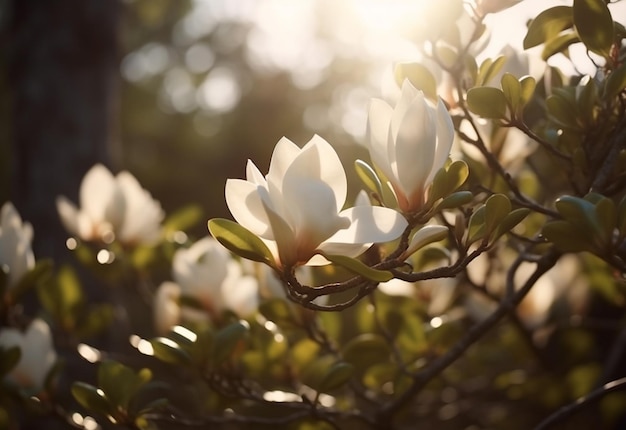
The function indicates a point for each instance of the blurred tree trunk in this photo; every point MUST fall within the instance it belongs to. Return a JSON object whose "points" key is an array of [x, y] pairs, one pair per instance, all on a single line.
{"points": [[61, 75]]}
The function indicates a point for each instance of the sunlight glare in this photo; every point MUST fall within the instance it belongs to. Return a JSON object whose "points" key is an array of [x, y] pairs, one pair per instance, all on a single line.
{"points": [[388, 15]]}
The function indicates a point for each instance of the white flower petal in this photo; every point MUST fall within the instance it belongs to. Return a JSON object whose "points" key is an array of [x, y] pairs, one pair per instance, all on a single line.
{"points": [[166, 309], [37, 354], [15, 244], [378, 130], [369, 224], [68, 212], [415, 146], [241, 295], [314, 211], [283, 155], [319, 161], [407, 97], [200, 270], [96, 191], [143, 214], [244, 202], [284, 236], [254, 175], [445, 138]]}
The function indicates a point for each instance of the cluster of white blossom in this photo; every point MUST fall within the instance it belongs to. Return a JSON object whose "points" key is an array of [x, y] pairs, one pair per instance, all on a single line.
{"points": [[298, 209]]}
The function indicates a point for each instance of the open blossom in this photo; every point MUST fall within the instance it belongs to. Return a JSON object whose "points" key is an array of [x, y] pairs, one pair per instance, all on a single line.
{"points": [[207, 273], [112, 208], [37, 355], [409, 143], [296, 207], [16, 254]]}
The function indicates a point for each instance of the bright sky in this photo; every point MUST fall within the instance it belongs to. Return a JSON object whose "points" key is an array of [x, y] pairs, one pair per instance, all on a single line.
{"points": [[285, 37]]}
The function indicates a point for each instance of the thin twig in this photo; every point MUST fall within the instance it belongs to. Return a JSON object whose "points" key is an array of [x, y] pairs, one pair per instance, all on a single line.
{"points": [[534, 136], [422, 378], [569, 410]]}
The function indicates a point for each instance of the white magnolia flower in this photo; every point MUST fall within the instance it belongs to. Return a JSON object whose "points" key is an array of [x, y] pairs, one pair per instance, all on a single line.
{"points": [[409, 143], [166, 308], [201, 269], [112, 208], [37, 355], [296, 208], [16, 254], [207, 273]]}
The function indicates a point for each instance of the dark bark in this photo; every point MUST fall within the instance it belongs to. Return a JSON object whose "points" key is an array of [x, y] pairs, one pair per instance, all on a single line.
{"points": [[61, 73]]}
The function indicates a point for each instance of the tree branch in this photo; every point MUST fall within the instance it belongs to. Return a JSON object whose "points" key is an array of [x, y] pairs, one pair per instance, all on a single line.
{"points": [[569, 410], [422, 378]]}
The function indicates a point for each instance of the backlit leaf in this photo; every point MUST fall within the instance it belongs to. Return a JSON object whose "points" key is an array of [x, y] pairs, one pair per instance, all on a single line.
{"points": [[359, 268], [240, 241], [419, 76], [487, 102], [594, 25], [547, 25]]}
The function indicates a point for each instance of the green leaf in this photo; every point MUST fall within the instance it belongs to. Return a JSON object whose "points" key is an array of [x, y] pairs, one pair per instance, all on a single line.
{"points": [[97, 318], [9, 359], [547, 25], [303, 353], [456, 175], [446, 56], [34, 277], [594, 25], [471, 68], [419, 76], [567, 237], [359, 268], [488, 69], [510, 221], [558, 44], [227, 340], [278, 311], [579, 212], [497, 207], [169, 351], [368, 176], [621, 216], [606, 214], [455, 200], [411, 336], [527, 85], [487, 102], [425, 236], [71, 293], [616, 82], [183, 219], [240, 241], [366, 350], [63, 298], [586, 97], [562, 112], [447, 180], [512, 90], [120, 383], [476, 225], [338, 375], [91, 398]]}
